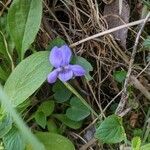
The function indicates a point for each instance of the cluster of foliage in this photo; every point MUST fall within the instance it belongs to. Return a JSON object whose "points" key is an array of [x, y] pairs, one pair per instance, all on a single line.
{"points": [[23, 71]]}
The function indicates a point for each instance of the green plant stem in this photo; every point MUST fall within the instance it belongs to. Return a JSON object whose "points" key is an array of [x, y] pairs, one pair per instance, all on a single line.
{"points": [[31, 139], [7, 51], [81, 98]]}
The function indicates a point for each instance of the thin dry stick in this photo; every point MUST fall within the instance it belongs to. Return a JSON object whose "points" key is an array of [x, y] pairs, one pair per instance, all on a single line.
{"points": [[88, 144], [107, 32], [143, 70], [5, 6], [112, 101], [140, 87], [82, 139], [123, 113], [99, 105], [125, 93]]}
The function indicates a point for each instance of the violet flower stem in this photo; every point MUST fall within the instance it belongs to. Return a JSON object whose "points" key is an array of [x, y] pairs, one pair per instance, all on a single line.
{"points": [[81, 98]]}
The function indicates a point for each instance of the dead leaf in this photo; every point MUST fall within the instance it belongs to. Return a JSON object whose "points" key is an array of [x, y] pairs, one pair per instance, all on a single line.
{"points": [[113, 19], [133, 119]]}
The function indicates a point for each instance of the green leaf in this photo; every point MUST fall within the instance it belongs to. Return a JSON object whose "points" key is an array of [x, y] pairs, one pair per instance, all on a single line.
{"points": [[145, 147], [5, 31], [120, 76], [40, 118], [3, 22], [111, 130], [27, 77], [70, 123], [54, 141], [23, 106], [26, 132], [2, 45], [52, 127], [47, 108], [78, 111], [85, 64], [56, 42], [147, 42], [136, 143], [3, 74], [5, 125], [24, 19], [44, 110], [61, 93], [13, 140]]}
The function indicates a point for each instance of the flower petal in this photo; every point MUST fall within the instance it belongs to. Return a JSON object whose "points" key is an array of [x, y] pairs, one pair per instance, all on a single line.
{"points": [[55, 57], [51, 78], [65, 75], [77, 70], [66, 54]]}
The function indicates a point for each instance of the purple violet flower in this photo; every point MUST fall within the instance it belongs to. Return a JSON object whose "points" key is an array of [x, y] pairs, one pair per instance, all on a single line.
{"points": [[60, 58]]}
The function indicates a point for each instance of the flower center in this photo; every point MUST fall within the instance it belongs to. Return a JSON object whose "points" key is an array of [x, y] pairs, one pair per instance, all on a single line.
{"points": [[63, 68], [66, 67]]}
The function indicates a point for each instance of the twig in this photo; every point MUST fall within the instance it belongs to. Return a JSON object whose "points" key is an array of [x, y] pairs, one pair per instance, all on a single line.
{"points": [[125, 112], [107, 32], [140, 87], [82, 139], [5, 6], [120, 6], [112, 101], [125, 93], [143, 70], [87, 145]]}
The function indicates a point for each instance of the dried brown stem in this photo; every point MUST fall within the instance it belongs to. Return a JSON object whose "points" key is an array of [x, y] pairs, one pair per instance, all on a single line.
{"points": [[108, 32], [140, 87], [125, 93], [87, 145]]}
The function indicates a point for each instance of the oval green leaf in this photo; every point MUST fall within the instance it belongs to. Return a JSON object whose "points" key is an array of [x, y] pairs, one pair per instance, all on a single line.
{"points": [[24, 19], [27, 77], [111, 130], [54, 141], [78, 111], [51, 126], [47, 107], [40, 119], [70, 123], [61, 93]]}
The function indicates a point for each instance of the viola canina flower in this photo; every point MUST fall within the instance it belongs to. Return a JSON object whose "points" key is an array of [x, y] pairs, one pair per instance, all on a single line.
{"points": [[60, 58]]}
